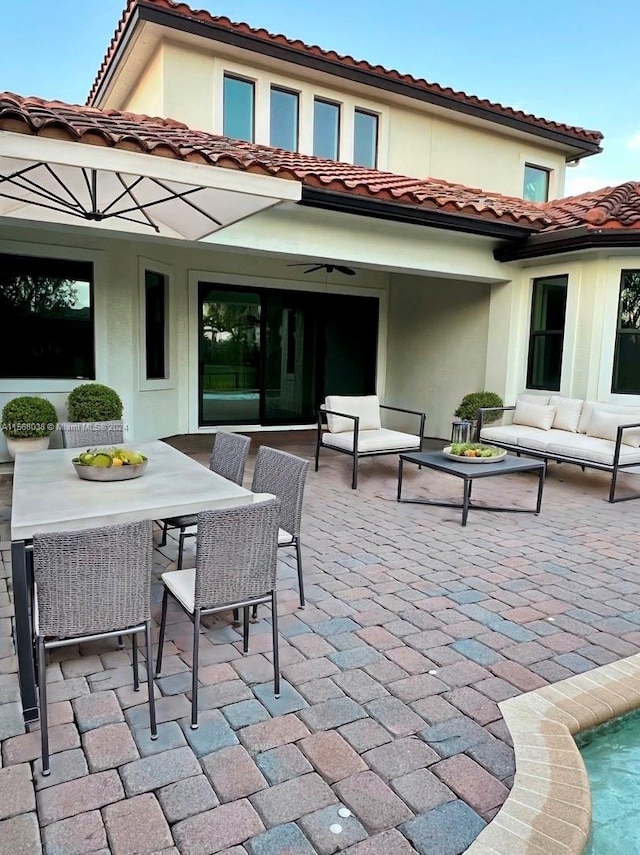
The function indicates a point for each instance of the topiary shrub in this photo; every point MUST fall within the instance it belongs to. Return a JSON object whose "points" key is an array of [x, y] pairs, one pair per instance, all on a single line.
{"points": [[94, 402], [28, 416], [471, 403]]}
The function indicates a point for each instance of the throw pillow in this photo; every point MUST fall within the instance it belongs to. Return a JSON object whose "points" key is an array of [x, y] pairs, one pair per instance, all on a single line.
{"points": [[568, 412], [367, 407], [534, 415], [605, 426]]}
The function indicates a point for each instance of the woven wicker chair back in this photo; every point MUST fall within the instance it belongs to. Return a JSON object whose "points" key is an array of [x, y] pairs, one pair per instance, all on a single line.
{"points": [[229, 455], [236, 553], [93, 434], [93, 581], [284, 476]]}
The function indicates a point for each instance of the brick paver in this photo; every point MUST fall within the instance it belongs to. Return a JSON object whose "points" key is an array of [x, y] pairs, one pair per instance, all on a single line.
{"points": [[415, 630]]}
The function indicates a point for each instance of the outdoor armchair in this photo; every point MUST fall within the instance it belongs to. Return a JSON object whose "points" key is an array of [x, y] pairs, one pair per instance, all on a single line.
{"points": [[89, 434], [354, 427]]}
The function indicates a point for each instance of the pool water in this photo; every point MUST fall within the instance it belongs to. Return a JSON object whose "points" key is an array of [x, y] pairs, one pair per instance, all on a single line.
{"points": [[611, 754]]}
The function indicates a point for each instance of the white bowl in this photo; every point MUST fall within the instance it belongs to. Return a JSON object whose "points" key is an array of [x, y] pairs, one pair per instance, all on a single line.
{"points": [[110, 473], [459, 457]]}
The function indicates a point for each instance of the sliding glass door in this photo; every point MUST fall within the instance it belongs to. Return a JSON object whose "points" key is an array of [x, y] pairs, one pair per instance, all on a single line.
{"points": [[270, 357]]}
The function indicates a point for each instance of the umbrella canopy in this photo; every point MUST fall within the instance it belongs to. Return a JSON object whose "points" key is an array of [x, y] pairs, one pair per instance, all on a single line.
{"points": [[70, 183]]}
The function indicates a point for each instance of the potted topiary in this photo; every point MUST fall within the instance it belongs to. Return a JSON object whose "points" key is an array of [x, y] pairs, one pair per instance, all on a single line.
{"points": [[468, 410], [94, 413], [27, 423]]}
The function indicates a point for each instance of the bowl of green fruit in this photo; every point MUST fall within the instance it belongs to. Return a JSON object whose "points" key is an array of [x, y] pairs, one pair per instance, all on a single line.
{"points": [[474, 452], [109, 464]]}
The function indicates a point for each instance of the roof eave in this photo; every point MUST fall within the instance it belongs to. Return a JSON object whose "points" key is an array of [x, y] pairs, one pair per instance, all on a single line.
{"points": [[567, 240], [580, 147], [349, 203]]}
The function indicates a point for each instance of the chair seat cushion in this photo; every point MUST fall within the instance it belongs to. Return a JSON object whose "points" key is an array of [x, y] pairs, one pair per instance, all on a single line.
{"points": [[373, 440], [182, 522], [182, 584]]}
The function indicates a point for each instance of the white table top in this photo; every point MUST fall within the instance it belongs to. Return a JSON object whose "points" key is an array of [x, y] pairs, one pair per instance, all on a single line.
{"points": [[49, 496]]}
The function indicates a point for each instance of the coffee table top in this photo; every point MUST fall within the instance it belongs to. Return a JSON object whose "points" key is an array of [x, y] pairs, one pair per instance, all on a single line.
{"points": [[437, 460]]}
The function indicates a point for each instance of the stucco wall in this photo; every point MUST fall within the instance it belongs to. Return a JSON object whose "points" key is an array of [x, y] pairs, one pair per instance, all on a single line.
{"points": [[437, 345], [414, 139]]}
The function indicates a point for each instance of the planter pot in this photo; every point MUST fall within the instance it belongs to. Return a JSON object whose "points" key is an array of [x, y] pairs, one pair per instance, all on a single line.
{"points": [[28, 443]]}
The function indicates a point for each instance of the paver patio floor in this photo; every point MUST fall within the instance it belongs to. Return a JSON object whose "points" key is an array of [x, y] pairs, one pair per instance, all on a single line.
{"points": [[415, 629]]}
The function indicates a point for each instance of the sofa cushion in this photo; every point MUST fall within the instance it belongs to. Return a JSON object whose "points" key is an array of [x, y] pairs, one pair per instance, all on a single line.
{"points": [[372, 440], [568, 412], [511, 434], [592, 449], [590, 406], [534, 415], [529, 398], [367, 407], [605, 426]]}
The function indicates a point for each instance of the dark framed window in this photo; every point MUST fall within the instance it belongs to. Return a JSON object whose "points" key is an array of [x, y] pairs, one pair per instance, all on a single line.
{"points": [[46, 306], [238, 108], [536, 183], [155, 325], [326, 129], [284, 119], [365, 139], [626, 362], [546, 338]]}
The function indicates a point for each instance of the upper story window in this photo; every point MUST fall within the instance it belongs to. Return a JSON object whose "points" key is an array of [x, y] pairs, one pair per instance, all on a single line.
{"points": [[238, 108], [326, 129], [365, 139], [626, 363], [47, 304], [546, 337], [284, 119], [536, 183]]}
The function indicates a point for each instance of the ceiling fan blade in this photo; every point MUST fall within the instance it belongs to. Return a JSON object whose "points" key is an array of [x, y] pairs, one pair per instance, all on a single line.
{"points": [[346, 270], [313, 269]]}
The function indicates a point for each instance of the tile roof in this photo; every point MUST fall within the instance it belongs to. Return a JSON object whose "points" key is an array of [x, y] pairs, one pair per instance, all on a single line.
{"points": [[608, 208], [581, 135], [169, 138]]}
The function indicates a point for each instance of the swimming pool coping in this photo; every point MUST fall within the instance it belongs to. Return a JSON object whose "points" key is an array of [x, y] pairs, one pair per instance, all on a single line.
{"points": [[549, 806]]}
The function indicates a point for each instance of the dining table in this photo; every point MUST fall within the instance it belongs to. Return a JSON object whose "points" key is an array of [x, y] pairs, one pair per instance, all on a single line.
{"points": [[49, 496]]}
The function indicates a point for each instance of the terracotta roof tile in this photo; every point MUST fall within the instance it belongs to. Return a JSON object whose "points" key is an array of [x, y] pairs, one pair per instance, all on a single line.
{"points": [[223, 23], [608, 208], [166, 137]]}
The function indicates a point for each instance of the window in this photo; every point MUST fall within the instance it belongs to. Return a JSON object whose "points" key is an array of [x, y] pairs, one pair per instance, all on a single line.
{"points": [[365, 139], [548, 309], [155, 325], [626, 363], [326, 129], [237, 105], [284, 119], [536, 183], [47, 305]]}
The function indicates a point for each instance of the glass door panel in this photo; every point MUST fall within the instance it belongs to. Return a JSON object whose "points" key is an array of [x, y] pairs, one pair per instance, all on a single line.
{"points": [[289, 387], [229, 357]]}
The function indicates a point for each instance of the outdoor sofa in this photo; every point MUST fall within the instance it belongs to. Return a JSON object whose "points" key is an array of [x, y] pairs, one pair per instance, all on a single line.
{"points": [[569, 430]]}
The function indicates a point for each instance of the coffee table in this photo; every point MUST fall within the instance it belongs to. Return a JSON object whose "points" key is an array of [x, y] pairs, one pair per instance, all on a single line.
{"points": [[468, 472]]}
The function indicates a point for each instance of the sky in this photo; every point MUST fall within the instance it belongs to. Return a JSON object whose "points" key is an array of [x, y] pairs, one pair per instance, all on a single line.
{"points": [[572, 61]]}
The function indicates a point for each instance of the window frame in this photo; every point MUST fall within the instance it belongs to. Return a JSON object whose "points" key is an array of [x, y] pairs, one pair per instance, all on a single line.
{"points": [[376, 142], [239, 78], [620, 331], [146, 384], [319, 100], [273, 87], [546, 333], [542, 169]]}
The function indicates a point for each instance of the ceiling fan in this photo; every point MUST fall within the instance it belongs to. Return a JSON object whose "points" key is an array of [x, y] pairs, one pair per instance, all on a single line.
{"points": [[348, 271]]}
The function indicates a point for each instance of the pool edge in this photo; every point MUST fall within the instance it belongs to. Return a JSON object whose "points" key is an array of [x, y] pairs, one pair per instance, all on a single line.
{"points": [[549, 806]]}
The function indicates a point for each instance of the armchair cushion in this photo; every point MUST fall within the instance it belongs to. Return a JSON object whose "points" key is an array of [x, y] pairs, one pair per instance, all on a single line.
{"points": [[366, 407], [373, 440]]}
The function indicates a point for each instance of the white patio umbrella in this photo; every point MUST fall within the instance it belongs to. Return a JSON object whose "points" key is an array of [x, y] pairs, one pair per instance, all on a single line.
{"points": [[67, 182]]}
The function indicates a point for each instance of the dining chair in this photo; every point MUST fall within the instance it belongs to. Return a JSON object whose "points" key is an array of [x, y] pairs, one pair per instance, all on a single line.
{"points": [[89, 434], [284, 475], [88, 585], [228, 458], [235, 567]]}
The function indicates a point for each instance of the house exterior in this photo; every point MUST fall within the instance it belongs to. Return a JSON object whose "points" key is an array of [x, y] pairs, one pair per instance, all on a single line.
{"points": [[454, 263]]}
